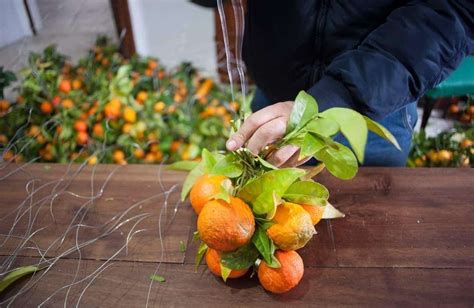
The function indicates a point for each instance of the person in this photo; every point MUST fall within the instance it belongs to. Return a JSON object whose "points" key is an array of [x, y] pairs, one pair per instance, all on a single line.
{"points": [[377, 57]]}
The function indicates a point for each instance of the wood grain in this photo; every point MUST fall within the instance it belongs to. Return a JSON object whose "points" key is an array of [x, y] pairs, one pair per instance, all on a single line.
{"points": [[125, 284], [407, 239]]}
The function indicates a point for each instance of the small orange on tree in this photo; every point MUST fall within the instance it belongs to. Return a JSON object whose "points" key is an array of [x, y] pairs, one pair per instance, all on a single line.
{"points": [[226, 226], [213, 261], [284, 278], [205, 188]]}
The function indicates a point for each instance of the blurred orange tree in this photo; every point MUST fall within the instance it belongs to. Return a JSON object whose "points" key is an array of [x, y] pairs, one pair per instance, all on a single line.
{"points": [[110, 109]]}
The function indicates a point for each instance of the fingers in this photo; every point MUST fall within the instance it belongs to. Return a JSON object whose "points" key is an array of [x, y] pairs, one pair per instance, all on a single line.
{"points": [[267, 134], [281, 156], [287, 156], [255, 121]]}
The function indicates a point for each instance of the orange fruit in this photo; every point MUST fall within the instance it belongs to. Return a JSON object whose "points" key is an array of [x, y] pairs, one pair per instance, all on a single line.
{"points": [[314, 211], [152, 64], [454, 109], [159, 106], [46, 107], [150, 158], [445, 155], [139, 153], [226, 226], [82, 138], [76, 84], [3, 139], [284, 278], [56, 100], [148, 72], [142, 96], [8, 155], [4, 105], [67, 103], [213, 261], [158, 156], [98, 130], [118, 156], [126, 128], [221, 110], [204, 189], [129, 115], [65, 86], [175, 145], [470, 110], [34, 131], [466, 143], [161, 74], [234, 106], [80, 126], [112, 109], [293, 227], [93, 160]]}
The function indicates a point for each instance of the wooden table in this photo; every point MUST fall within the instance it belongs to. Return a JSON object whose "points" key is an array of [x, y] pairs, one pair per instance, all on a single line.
{"points": [[407, 239]]}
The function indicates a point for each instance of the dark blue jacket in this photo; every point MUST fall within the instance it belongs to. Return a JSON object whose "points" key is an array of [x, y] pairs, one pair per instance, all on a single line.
{"points": [[374, 56]]}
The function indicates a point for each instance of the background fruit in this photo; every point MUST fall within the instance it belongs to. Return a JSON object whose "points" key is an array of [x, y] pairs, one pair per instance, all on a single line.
{"points": [[226, 226], [314, 211], [293, 227], [285, 278], [213, 261], [204, 189]]}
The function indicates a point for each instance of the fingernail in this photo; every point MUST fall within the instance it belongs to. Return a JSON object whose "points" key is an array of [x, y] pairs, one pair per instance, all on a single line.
{"points": [[231, 145]]}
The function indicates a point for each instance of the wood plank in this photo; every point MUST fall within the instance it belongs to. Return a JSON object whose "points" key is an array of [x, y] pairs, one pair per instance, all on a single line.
{"points": [[125, 284], [126, 187], [395, 217], [403, 218]]}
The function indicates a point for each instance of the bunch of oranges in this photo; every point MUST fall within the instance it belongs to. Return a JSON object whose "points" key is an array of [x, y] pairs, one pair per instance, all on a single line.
{"points": [[112, 109], [228, 228]]}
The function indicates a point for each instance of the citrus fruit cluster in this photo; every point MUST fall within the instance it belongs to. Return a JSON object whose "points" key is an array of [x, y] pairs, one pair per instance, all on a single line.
{"points": [[234, 236], [253, 216], [454, 148], [110, 109]]}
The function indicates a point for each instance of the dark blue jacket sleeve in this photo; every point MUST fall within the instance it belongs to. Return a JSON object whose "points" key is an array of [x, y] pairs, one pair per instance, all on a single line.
{"points": [[417, 47]]}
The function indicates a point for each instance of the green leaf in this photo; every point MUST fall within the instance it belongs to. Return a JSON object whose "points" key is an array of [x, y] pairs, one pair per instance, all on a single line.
{"points": [[196, 236], [323, 126], [310, 188], [307, 192], [199, 255], [353, 127], [264, 223], [266, 203], [341, 162], [191, 179], [265, 246], [225, 191], [17, 274], [227, 166], [266, 164], [276, 181], [157, 278], [242, 258], [182, 246], [304, 109], [382, 132], [225, 272], [308, 144], [183, 165], [209, 160]]}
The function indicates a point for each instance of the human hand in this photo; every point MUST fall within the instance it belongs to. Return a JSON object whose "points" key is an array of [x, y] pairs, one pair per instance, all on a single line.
{"points": [[265, 127]]}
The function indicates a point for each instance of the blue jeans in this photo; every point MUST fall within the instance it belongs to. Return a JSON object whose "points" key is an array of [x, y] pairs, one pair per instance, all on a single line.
{"points": [[378, 152]]}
